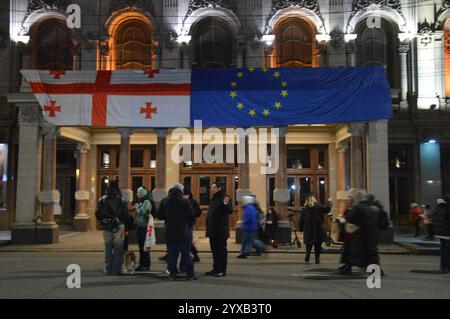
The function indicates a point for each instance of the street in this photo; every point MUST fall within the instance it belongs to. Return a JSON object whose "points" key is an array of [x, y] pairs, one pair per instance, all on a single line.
{"points": [[281, 275]]}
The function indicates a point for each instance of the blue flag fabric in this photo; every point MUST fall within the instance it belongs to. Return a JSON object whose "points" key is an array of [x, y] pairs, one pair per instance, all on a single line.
{"points": [[289, 96]]}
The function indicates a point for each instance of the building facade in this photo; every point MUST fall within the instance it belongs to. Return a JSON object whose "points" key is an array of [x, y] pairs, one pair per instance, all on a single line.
{"points": [[58, 174]]}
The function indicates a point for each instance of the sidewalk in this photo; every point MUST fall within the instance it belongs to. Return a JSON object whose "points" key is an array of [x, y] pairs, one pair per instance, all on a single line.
{"points": [[418, 245], [93, 242]]}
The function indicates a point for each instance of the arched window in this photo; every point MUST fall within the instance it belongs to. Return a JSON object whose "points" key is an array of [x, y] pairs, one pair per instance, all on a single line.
{"points": [[133, 45], [52, 46], [213, 44], [447, 58], [294, 43], [376, 46]]}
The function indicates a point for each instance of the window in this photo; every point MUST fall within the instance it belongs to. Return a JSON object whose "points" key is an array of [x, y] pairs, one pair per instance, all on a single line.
{"points": [[212, 44], [375, 46], [3, 174], [294, 43], [298, 157], [52, 46], [137, 158], [399, 156], [133, 45]]}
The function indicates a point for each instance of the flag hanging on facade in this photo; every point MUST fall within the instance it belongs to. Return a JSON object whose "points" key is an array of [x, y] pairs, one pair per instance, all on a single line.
{"points": [[218, 97]]}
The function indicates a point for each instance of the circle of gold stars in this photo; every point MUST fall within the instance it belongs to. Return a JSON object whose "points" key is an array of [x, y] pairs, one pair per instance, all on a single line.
{"points": [[248, 108]]}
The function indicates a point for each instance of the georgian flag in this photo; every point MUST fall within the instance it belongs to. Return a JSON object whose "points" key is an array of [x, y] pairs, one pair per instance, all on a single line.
{"points": [[125, 98]]}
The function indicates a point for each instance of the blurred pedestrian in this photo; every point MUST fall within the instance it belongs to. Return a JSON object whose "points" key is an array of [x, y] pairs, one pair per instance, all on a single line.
{"points": [[441, 228], [250, 224]]}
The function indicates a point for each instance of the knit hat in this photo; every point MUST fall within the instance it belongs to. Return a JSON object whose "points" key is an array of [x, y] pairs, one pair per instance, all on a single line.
{"points": [[142, 191], [178, 186]]}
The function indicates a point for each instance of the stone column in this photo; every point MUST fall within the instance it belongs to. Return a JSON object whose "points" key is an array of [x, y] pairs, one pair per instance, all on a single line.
{"points": [[281, 192], [357, 131], [82, 195], [268, 53], [28, 175], [124, 163], [160, 190], [244, 183], [48, 231], [341, 196], [402, 52], [322, 54], [350, 48]]}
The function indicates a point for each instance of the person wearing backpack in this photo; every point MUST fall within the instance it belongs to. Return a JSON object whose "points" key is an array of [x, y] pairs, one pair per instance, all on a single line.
{"points": [[143, 208], [441, 228], [112, 212]]}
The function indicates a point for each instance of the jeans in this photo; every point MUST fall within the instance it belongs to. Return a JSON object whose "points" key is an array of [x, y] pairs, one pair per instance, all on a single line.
{"points": [[251, 240], [445, 254], [144, 256], [220, 254], [114, 250], [173, 251], [191, 239]]}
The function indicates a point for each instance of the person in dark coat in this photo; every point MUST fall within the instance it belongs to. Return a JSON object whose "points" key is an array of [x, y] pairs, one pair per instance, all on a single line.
{"points": [[218, 229], [441, 228], [112, 212], [179, 217], [362, 224], [271, 225], [312, 225]]}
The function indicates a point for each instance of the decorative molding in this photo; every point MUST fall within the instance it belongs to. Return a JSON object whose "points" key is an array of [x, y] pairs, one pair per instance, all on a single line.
{"points": [[350, 47], [403, 47], [336, 39], [425, 32], [363, 4], [146, 5], [34, 5], [83, 148], [357, 129], [198, 4], [277, 5], [29, 116], [50, 131], [125, 132]]}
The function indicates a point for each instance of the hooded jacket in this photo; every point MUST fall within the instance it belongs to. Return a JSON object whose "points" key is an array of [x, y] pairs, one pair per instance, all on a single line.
{"points": [[250, 218], [217, 221], [178, 217]]}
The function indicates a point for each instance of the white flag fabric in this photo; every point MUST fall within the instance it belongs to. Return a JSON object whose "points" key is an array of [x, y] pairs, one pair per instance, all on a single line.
{"points": [[125, 98], [150, 238]]}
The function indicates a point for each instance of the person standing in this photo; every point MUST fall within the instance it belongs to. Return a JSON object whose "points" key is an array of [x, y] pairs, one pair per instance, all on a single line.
{"points": [[143, 208], [112, 212], [415, 218], [312, 225], [271, 226], [250, 225], [218, 229], [179, 218], [441, 228]]}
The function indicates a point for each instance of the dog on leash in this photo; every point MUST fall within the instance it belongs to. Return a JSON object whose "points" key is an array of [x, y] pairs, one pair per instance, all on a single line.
{"points": [[129, 262]]}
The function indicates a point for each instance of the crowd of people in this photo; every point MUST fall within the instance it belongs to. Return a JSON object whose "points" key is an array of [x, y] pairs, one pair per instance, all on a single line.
{"points": [[360, 226]]}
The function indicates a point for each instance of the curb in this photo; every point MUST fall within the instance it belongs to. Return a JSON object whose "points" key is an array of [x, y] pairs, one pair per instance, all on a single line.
{"points": [[418, 250]]}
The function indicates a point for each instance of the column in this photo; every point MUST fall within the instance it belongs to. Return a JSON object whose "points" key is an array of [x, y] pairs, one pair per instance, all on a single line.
{"points": [[82, 195], [160, 179], [357, 174], [322, 54], [402, 52], [268, 54], [341, 196], [124, 163], [28, 175], [281, 192], [350, 49], [48, 231], [244, 184]]}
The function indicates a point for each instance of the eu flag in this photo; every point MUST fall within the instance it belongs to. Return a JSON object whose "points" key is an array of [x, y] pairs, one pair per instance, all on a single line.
{"points": [[288, 96]]}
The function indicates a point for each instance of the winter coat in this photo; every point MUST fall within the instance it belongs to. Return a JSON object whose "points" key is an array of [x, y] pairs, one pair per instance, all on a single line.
{"points": [[178, 217], [361, 247], [441, 220], [271, 225], [312, 225], [195, 207], [217, 221], [113, 205], [250, 219], [143, 209]]}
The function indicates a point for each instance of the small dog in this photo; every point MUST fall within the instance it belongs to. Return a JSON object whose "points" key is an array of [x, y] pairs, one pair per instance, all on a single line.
{"points": [[129, 262]]}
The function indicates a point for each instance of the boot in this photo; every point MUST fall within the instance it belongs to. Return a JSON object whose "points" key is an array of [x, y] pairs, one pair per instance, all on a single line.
{"points": [[317, 260], [308, 254]]}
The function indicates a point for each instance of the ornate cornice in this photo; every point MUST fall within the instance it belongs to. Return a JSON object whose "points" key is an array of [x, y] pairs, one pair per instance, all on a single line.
{"points": [[336, 39], [34, 5], [198, 4], [28, 116], [362, 4], [425, 32], [146, 5], [278, 5]]}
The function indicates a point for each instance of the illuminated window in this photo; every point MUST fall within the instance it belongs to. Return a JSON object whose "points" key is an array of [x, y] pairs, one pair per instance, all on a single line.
{"points": [[52, 46], [294, 43], [133, 45]]}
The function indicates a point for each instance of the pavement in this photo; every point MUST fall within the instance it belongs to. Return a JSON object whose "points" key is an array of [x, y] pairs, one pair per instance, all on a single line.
{"points": [[44, 275], [93, 242]]}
